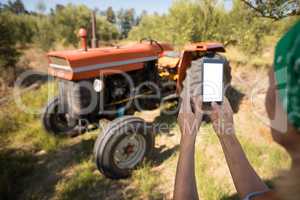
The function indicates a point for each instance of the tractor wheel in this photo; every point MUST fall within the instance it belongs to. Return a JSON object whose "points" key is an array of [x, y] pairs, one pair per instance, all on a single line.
{"points": [[194, 74], [193, 79], [57, 123], [123, 145]]}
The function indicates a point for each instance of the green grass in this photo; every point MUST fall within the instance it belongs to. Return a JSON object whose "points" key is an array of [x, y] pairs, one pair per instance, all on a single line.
{"points": [[23, 130], [86, 183], [23, 126], [19, 112], [146, 181], [213, 177], [267, 159], [35, 137], [70, 161], [240, 59], [21, 135], [81, 185], [15, 164], [209, 170]]}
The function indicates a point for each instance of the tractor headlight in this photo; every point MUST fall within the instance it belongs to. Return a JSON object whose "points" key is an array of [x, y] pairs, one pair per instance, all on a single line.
{"points": [[98, 85]]}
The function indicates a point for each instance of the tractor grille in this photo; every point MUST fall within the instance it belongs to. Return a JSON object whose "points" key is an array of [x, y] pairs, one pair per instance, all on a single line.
{"points": [[58, 61], [79, 97]]}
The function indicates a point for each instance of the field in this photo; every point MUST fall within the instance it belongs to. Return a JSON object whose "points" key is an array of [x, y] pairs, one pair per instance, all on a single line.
{"points": [[35, 165]]}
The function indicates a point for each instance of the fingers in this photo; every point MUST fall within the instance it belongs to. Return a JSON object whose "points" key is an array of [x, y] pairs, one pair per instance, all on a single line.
{"points": [[216, 111], [222, 117]]}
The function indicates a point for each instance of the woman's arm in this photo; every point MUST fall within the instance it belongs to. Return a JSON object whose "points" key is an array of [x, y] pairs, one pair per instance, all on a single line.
{"points": [[185, 182], [244, 177], [189, 121]]}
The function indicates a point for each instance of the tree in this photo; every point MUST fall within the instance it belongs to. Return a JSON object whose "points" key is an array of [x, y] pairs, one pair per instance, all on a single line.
{"points": [[8, 52], [150, 26], [41, 6], [110, 15], [15, 7], [274, 9], [126, 21], [59, 7], [44, 36], [246, 30], [140, 17], [205, 20], [105, 30], [69, 19]]}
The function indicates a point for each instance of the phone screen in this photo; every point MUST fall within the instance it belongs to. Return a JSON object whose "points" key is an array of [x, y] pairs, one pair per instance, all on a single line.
{"points": [[213, 80]]}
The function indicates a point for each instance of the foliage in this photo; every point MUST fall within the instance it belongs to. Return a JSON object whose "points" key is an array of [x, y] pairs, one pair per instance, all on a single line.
{"points": [[44, 36], [205, 20], [105, 30], [151, 26], [126, 20], [187, 21], [8, 52], [246, 30], [16, 7], [69, 20], [140, 17], [110, 15], [39, 29], [274, 9]]}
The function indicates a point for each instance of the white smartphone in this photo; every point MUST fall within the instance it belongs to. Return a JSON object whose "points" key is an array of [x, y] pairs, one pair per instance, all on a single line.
{"points": [[213, 86]]}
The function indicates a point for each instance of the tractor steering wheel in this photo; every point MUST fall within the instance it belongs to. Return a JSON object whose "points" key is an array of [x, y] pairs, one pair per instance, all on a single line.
{"points": [[151, 42]]}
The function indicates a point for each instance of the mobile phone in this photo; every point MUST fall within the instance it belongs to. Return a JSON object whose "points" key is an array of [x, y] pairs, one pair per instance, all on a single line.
{"points": [[213, 81]]}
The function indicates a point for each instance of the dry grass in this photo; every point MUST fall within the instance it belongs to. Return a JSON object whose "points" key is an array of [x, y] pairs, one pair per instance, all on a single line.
{"points": [[240, 60], [35, 165]]}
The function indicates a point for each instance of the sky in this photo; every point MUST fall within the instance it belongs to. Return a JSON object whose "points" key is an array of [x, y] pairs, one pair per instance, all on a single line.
{"points": [[159, 6]]}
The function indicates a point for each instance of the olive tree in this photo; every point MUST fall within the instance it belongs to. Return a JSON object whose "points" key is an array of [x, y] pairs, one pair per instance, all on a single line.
{"points": [[274, 9]]}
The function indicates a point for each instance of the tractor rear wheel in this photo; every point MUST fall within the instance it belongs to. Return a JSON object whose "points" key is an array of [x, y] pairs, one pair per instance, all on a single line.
{"points": [[57, 123], [193, 80], [123, 146]]}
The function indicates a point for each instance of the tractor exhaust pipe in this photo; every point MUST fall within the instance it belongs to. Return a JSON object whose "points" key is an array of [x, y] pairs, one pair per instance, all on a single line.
{"points": [[94, 25], [83, 35]]}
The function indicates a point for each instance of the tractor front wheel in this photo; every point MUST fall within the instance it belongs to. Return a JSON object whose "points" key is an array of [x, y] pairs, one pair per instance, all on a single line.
{"points": [[123, 146], [57, 123]]}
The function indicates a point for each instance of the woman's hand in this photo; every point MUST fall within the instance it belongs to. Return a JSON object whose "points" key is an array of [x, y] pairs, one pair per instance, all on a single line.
{"points": [[190, 115], [222, 118], [189, 120]]}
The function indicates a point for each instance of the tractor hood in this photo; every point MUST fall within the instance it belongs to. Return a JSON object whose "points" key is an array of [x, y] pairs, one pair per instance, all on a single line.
{"points": [[68, 64]]}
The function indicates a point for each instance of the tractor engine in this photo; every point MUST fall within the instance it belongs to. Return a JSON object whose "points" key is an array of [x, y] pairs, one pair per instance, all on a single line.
{"points": [[118, 87]]}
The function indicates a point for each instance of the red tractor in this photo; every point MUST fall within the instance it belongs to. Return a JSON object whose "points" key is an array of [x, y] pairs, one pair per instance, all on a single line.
{"points": [[113, 82]]}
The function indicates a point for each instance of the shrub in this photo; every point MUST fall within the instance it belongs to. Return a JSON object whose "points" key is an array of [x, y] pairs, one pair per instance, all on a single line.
{"points": [[8, 52], [207, 20]]}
